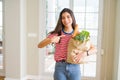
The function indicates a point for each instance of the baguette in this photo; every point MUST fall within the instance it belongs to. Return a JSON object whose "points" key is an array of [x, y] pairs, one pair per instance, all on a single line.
{"points": [[75, 31]]}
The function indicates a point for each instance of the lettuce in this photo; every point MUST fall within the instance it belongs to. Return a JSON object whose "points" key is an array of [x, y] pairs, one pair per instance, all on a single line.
{"points": [[83, 36]]}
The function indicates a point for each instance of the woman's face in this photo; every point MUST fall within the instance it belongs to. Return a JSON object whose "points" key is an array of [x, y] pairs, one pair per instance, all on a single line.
{"points": [[66, 19]]}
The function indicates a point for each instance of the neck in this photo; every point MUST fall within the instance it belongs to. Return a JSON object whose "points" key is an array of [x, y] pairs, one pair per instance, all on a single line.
{"points": [[68, 30]]}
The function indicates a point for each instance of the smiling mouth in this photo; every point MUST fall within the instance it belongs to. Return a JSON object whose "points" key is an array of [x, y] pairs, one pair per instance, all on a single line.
{"points": [[67, 23]]}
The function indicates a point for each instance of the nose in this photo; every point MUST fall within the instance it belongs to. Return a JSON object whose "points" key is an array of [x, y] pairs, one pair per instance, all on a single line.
{"points": [[66, 20]]}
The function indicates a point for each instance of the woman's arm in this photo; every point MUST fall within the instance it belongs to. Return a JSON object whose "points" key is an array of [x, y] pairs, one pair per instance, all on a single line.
{"points": [[92, 50], [81, 54], [44, 43]]}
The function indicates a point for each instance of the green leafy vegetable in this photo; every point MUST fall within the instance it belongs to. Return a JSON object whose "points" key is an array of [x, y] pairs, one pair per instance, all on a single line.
{"points": [[82, 36]]}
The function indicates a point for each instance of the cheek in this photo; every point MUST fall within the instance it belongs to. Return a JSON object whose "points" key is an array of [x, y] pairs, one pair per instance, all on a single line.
{"points": [[71, 20], [63, 21]]}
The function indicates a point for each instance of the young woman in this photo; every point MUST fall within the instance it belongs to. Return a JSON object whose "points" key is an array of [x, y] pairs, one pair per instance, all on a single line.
{"points": [[60, 37]]}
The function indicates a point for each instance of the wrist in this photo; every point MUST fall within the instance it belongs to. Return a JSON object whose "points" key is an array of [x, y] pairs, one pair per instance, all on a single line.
{"points": [[87, 53]]}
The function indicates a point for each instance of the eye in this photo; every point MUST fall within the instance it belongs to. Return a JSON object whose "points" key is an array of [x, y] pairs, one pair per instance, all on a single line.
{"points": [[68, 16], [63, 17]]}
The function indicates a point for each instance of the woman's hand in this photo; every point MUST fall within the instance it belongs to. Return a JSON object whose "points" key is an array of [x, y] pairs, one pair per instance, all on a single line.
{"points": [[56, 39], [79, 56]]}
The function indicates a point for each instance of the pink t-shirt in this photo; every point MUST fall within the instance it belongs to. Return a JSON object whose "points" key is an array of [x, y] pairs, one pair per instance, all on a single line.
{"points": [[61, 48]]}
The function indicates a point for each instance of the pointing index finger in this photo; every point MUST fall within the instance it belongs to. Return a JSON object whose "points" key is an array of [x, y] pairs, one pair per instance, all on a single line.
{"points": [[62, 36]]}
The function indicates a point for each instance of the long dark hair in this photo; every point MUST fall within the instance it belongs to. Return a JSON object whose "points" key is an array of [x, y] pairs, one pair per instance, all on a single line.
{"points": [[60, 25]]}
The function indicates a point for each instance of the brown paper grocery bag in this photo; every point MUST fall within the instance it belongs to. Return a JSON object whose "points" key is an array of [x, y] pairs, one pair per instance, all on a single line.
{"points": [[74, 45]]}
